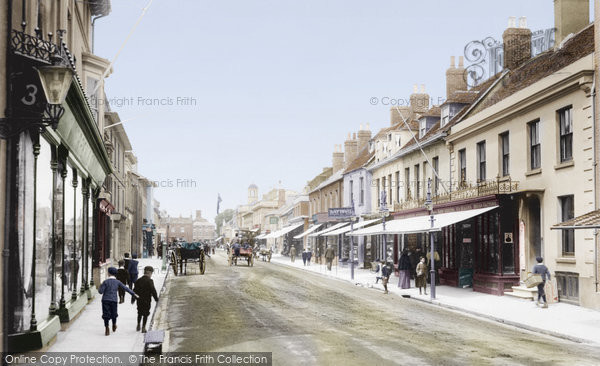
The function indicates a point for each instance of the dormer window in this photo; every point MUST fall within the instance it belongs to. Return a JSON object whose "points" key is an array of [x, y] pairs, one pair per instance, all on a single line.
{"points": [[445, 115], [389, 137], [422, 127]]}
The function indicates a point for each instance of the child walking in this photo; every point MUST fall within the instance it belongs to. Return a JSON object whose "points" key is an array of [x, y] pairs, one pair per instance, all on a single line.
{"points": [[145, 291], [123, 276], [108, 289]]}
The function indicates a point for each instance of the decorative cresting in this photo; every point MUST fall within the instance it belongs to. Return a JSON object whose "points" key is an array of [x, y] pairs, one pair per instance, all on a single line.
{"points": [[481, 189], [36, 103], [485, 57]]}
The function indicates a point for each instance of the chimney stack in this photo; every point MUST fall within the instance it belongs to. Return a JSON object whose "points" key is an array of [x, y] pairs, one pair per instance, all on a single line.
{"points": [[364, 136], [570, 16], [338, 158], [350, 150], [419, 102], [397, 114], [455, 77], [517, 43]]}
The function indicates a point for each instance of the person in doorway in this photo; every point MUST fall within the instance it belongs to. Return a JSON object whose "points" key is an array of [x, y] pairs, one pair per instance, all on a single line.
{"points": [[386, 271], [108, 289], [145, 290], [436, 262], [421, 279], [123, 276], [133, 270], [404, 268], [329, 255], [541, 269], [293, 254]]}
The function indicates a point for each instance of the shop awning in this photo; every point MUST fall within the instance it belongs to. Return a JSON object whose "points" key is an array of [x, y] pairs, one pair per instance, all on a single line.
{"points": [[590, 220], [254, 230], [285, 230], [421, 224], [310, 230], [218, 239], [345, 229], [261, 236], [329, 229]]}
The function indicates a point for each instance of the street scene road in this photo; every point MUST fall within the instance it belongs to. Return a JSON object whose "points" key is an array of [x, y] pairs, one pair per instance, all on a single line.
{"points": [[306, 319]]}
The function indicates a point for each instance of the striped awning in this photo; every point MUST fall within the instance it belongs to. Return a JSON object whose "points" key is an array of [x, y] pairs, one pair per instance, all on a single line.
{"points": [[590, 220]]}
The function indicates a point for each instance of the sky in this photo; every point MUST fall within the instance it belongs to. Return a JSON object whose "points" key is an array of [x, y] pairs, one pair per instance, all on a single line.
{"points": [[217, 95]]}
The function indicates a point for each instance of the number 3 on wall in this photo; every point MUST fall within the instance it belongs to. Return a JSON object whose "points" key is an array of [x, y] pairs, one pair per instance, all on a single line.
{"points": [[30, 99]]}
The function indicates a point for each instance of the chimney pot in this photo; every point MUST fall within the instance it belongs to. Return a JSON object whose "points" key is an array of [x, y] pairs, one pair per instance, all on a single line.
{"points": [[461, 62], [451, 62], [523, 22], [512, 22], [368, 127], [360, 129], [422, 88], [415, 89], [354, 136], [348, 136]]}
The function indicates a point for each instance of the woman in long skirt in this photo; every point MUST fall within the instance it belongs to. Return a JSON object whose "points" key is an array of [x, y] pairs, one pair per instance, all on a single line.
{"points": [[404, 270]]}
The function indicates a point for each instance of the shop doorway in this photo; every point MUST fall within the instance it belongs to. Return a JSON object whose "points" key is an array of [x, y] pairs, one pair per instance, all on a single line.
{"points": [[465, 254], [534, 230]]}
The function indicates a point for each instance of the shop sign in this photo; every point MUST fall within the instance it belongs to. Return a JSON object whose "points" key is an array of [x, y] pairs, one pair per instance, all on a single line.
{"points": [[341, 212]]}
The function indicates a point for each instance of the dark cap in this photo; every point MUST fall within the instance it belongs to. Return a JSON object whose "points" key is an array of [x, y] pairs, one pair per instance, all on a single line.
{"points": [[148, 269], [112, 271], [539, 259]]}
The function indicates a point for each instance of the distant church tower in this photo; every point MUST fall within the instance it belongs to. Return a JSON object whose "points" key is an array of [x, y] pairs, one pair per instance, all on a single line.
{"points": [[252, 193]]}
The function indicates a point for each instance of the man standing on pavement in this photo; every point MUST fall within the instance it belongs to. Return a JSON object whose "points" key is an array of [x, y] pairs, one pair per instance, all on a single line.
{"points": [[542, 270], [293, 254], [329, 255]]}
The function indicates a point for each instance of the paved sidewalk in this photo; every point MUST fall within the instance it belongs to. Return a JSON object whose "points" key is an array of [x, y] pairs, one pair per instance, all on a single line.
{"points": [[560, 320], [86, 333]]}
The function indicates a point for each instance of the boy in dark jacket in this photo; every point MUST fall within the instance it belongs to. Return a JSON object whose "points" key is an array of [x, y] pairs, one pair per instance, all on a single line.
{"points": [[542, 270], [145, 290], [108, 289], [123, 276], [133, 270]]}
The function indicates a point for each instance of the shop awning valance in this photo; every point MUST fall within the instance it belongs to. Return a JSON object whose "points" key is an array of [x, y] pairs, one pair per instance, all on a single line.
{"points": [[309, 231], [421, 224], [329, 229], [285, 230], [590, 220], [346, 229]]}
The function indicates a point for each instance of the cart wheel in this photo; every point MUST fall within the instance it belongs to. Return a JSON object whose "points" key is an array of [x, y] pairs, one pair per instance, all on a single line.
{"points": [[202, 263], [174, 263]]}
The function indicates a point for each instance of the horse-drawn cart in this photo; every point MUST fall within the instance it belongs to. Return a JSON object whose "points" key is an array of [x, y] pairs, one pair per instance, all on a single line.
{"points": [[184, 252], [242, 248]]}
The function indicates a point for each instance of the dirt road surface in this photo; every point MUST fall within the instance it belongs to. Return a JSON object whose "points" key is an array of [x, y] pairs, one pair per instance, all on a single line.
{"points": [[306, 319]]}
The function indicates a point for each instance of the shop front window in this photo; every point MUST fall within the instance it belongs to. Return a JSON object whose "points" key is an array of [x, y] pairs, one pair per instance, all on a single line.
{"points": [[487, 228], [43, 235], [69, 233]]}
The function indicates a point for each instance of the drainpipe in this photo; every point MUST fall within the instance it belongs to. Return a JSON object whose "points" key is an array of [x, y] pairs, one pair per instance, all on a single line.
{"points": [[94, 29], [595, 150]]}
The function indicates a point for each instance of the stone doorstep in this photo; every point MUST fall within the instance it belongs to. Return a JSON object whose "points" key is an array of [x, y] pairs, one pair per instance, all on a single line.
{"points": [[523, 292], [30, 341]]}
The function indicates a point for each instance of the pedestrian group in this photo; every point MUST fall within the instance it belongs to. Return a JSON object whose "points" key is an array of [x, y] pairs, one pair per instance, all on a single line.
{"points": [[125, 279]]}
